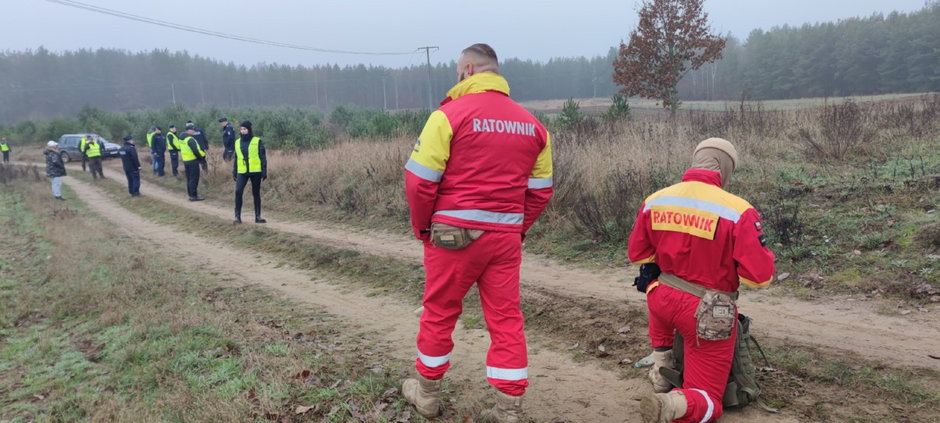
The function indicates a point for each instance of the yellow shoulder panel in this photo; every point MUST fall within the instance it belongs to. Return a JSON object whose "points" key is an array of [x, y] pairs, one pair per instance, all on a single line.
{"points": [[433, 146]]}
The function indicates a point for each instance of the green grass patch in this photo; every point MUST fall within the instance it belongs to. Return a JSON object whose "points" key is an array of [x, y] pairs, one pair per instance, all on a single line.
{"points": [[107, 329]]}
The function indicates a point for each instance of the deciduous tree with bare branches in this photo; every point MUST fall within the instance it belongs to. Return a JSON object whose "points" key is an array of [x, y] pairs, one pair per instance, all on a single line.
{"points": [[671, 39]]}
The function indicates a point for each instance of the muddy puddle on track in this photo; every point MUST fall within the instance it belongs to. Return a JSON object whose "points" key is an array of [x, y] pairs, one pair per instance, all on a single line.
{"points": [[561, 390]]}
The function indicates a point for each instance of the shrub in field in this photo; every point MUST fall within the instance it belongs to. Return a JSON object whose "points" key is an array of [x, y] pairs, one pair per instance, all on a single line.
{"points": [[619, 109], [841, 129], [571, 115], [607, 214]]}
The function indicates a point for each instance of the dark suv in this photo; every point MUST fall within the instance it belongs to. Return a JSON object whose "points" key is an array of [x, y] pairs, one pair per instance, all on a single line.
{"points": [[69, 147]]}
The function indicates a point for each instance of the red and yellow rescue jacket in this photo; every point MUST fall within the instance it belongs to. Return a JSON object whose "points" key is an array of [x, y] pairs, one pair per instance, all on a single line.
{"points": [[703, 234], [481, 162]]}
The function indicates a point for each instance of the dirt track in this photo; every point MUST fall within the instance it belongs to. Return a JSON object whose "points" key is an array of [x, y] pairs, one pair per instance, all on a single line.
{"points": [[838, 323], [561, 390]]}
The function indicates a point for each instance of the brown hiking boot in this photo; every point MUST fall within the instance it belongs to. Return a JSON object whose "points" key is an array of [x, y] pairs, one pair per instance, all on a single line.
{"points": [[661, 359], [663, 408], [508, 409], [424, 394]]}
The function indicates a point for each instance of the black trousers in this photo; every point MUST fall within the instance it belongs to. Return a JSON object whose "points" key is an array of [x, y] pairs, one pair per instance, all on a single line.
{"points": [[6, 157], [240, 181], [192, 177], [133, 181], [175, 161]]}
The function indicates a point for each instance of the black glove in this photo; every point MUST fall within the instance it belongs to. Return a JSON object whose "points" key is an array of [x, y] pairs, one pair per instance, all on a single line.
{"points": [[234, 177], [648, 272], [264, 176]]}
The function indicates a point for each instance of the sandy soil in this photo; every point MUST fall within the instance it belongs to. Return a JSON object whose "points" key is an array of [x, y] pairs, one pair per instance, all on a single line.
{"points": [[561, 390], [840, 323]]}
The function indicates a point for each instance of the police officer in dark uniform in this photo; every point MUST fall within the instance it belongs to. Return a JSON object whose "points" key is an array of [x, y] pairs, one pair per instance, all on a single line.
{"points": [[193, 156], [158, 150], [228, 139], [131, 165], [172, 145], [199, 135]]}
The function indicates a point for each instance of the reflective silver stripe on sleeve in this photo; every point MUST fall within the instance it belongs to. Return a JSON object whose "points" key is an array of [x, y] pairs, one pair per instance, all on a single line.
{"points": [[423, 171], [433, 361], [536, 183], [507, 374], [711, 406], [693, 203], [484, 216]]}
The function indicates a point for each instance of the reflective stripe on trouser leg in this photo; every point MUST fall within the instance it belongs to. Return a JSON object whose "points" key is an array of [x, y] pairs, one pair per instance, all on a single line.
{"points": [[506, 360], [449, 274], [706, 364]]}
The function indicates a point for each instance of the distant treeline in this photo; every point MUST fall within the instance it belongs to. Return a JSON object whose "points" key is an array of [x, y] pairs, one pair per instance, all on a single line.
{"points": [[879, 54], [40, 84]]}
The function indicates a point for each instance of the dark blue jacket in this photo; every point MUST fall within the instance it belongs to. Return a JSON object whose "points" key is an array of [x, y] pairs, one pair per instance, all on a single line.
{"points": [[129, 158], [201, 138], [158, 143], [228, 138]]}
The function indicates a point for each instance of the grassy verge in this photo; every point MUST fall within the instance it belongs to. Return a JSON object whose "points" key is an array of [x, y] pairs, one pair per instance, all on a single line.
{"points": [[96, 326], [848, 193], [804, 380]]}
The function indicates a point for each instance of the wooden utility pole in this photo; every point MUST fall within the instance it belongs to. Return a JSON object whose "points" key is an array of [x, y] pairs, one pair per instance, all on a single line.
{"points": [[427, 52]]}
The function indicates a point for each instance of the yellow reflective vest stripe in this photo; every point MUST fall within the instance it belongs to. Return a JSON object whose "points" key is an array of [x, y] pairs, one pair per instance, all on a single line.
{"points": [[150, 139], [254, 158], [92, 149], [187, 154]]}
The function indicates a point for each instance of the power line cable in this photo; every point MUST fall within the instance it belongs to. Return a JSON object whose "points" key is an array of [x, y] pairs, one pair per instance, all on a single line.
{"points": [[125, 15]]}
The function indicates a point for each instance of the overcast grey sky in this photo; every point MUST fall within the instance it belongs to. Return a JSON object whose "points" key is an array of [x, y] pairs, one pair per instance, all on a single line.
{"points": [[537, 30]]}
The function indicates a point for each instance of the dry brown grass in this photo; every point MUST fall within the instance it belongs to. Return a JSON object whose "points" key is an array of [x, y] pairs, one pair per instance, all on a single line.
{"points": [[603, 171]]}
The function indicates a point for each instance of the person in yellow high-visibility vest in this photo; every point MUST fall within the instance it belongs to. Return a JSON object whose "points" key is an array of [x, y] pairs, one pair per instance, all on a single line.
{"points": [[193, 156], [81, 149], [5, 148], [92, 150], [172, 146], [153, 161], [251, 164]]}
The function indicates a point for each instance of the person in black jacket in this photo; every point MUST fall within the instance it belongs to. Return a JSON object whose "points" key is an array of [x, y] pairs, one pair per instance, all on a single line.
{"points": [[199, 135], [131, 165], [228, 139], [251, 163], [55, 168], [158, 150]]}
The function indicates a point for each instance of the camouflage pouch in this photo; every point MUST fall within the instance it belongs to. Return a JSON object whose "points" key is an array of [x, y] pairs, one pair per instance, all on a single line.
{"points": [[714, 317], [452, 237]]}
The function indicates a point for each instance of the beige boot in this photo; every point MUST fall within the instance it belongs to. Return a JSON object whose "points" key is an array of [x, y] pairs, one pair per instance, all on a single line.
{"points": [[508, 409], [661, 359], [424, 394], [663, 408]]}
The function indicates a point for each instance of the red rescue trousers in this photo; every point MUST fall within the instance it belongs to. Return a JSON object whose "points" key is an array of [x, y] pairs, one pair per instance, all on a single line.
{"points": [[492, 261], [706, 364]]}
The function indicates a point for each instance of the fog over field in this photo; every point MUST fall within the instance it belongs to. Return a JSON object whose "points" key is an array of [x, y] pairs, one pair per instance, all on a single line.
{"points": [[526, 30]]}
